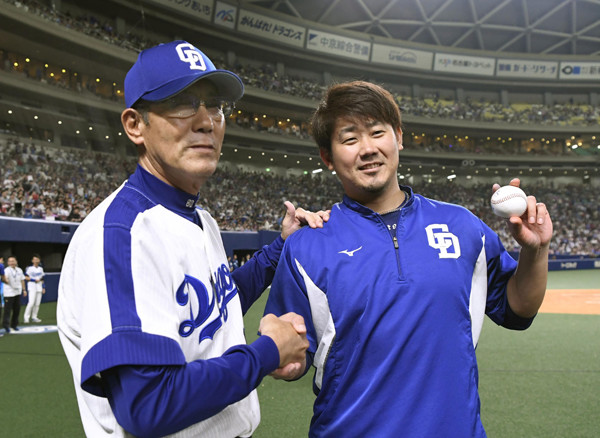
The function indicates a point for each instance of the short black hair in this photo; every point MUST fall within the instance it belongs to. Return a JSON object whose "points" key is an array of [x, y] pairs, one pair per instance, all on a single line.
{"points": [[356, 100]]}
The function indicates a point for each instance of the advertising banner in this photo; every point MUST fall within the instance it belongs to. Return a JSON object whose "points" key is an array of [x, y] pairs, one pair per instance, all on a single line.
{"points": [[339, 45], [402, 57], [270, 28], [580, 71], [471, 65], [520, 68], [202, 9], [225, 15]]}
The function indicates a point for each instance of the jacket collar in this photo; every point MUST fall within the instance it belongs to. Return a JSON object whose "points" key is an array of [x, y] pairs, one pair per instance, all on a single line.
{"points": [[366, 211]]}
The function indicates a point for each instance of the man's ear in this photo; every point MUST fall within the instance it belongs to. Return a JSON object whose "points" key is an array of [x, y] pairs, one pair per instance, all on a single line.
{"points": [[326, 157], [399, 139], [133, 123]]}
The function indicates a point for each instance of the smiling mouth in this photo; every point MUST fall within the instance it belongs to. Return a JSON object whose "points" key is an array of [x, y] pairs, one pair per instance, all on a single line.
{"points": [[370, 166]]}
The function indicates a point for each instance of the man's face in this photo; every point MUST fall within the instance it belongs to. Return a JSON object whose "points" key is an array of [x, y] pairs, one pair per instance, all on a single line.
{"points": [[12, 262], [182, 151], [365, 158], [35, 261]]}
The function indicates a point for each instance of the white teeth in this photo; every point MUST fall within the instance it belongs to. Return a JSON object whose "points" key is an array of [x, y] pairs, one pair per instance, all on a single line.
{"points": [[370, 166]]}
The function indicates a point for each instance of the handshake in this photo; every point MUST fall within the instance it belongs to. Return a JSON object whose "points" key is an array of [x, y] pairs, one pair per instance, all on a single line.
{"points": [[289, 334]]}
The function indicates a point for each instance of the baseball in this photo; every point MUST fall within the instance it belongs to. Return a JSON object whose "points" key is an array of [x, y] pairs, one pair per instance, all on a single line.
{"points": [[509, 201]]}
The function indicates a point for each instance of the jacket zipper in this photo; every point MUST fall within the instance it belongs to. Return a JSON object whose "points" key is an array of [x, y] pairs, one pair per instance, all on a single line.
{"points": [[397, 251], [396, 245]]}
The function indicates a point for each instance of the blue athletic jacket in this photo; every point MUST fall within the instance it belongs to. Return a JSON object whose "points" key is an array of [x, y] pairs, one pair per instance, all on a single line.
{"points": [[393, 322]]}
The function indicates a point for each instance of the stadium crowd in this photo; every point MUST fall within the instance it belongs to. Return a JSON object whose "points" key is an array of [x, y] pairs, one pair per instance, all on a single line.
{"points": [[66, 184], [266, 78]]}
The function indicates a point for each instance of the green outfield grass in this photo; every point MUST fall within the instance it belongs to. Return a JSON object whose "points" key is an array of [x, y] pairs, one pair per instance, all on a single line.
{"points": [[544, 382]]}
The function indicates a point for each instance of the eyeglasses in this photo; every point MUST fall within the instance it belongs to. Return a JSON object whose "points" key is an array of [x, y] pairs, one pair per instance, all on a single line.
{"points": [[183, 106]]}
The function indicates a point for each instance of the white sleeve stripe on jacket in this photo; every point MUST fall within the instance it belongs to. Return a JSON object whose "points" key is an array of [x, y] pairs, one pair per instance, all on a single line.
{"points": [[322, 321], [478, 296]]}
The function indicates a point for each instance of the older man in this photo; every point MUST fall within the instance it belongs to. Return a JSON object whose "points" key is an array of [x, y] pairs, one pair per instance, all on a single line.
{"points": [[149, 314]]}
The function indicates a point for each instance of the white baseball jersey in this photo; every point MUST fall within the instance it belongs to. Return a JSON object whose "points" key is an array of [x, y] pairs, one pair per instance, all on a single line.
{"points": [[14, 276], [34, 273], [142, 284]]}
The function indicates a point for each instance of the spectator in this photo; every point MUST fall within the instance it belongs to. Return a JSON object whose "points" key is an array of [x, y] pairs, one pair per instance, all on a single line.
{"points": [[14, 286]]}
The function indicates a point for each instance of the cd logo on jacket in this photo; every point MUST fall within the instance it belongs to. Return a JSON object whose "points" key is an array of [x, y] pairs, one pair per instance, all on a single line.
{"points": [[221, 292], [445, 242]]}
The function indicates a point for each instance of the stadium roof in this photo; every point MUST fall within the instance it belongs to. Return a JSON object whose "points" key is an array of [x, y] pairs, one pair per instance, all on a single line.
{"points": [[550, 27]]}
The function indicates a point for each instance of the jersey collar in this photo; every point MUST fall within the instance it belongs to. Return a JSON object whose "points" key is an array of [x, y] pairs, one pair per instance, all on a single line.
{"points": [[162, 193]]}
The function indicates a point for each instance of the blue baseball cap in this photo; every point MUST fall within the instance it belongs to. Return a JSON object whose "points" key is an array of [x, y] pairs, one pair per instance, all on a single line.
{"points": [[167, 69]]}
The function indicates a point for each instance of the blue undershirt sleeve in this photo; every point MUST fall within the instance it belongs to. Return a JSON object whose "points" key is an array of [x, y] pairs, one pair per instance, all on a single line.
{"points": [[513, 321], [254, 276], [153, 401]]}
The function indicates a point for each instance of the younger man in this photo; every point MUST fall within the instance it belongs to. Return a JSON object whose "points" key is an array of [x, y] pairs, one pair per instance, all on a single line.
{"points": [[394, 288]]}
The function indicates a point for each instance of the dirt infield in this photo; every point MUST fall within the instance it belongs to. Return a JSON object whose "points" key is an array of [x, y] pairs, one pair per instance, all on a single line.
{"points": [[577, 301]]}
